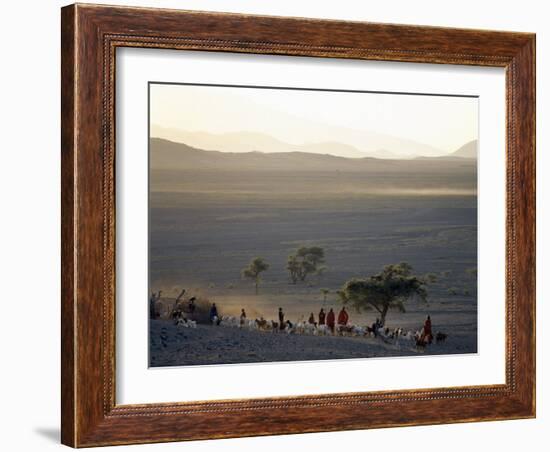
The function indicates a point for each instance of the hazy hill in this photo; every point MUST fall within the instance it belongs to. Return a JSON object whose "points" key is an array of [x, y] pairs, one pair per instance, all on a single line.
{"points": [[373, 144], [167, 155], [243, 142], [469, 150], [328, 147]]}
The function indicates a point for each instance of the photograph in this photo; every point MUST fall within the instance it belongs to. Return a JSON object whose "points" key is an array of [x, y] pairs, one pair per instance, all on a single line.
{"points": [[299, 224]]}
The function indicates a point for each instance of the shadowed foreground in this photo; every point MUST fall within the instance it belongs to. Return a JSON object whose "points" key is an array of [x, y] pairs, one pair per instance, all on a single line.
{"points": [[176, 346]]}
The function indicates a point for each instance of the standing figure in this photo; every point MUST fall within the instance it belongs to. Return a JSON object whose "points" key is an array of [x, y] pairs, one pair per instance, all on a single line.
{"points": [[192, 307], [152, 306], [281, 319], [343, 317], [243, 317], [214, 313], [322, 317], [331, 320], [427, 335], [311, 319]]}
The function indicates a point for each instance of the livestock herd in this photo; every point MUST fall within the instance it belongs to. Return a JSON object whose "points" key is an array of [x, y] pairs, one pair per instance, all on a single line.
{"points": [[396, 336]]}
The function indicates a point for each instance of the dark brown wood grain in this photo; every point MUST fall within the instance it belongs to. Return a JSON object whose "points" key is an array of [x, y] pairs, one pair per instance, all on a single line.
{"points": [[90, 36], [67, 226]]}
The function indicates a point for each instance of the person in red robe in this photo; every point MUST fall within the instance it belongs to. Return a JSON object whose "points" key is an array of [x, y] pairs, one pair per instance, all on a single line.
{"points": [[427, 335], [331, 320], [343, 317]]}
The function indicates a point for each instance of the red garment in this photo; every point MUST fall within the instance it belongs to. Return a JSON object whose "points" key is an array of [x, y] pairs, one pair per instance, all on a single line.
{"points": [[427, 336], [330, 319], [343, 318], [428, 328]]}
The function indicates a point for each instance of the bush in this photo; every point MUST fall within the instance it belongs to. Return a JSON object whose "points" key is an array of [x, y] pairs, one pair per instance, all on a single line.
{"points": [[452, 291], [202, 310]]}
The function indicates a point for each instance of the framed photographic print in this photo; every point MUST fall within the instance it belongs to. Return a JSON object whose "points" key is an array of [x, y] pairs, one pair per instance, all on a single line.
{"points": [[281, 225]]}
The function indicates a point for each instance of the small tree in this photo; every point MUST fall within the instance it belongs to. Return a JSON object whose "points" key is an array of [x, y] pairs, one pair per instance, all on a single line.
{"points": [[389, 289], [307, 260], [452, 290], [254, 269], [293, 266]]}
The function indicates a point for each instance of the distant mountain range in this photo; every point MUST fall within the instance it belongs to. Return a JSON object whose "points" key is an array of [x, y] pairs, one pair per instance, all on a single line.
{"points": [[376, 145], [169, 155]]}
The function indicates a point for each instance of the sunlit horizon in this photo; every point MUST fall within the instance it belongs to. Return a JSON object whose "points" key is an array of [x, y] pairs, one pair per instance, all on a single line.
{"points": [[244, 119]]}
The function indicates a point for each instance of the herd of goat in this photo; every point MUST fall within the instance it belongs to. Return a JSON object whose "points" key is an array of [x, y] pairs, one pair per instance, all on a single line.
{"points": [[388, 335]]}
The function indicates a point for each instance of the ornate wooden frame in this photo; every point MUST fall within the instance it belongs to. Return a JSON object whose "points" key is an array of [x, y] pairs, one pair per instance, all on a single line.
{"points": [[90, 35]]}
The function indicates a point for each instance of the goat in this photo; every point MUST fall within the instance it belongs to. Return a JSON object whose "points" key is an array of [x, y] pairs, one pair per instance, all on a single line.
{"points": [[358, 330], [322, 330], [289, 327], [261, 323], [300, 328], [309, 328], [182, 321]]}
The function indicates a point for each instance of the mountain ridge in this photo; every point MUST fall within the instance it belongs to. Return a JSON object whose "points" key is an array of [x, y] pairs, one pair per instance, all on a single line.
{"points": [[169, 155], [378, 145]]}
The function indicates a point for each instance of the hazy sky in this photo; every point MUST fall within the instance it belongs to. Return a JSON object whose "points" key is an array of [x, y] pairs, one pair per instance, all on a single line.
{"points": [[298, 117]]}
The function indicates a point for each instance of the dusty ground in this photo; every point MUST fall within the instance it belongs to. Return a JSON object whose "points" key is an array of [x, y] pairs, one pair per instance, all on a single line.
{"points": [[172, 345]]}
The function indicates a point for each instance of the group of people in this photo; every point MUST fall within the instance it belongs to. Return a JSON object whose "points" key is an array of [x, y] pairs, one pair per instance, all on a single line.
{"points": [[329, 319]]}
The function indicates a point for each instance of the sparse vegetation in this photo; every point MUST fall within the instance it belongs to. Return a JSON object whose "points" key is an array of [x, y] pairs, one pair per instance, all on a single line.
{"points": [[254, 269], [452, 291], [389, 289], [306, 261]]}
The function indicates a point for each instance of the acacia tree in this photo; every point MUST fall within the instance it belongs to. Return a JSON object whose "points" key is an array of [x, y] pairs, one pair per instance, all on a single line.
{"points": [[306, 260], [293, 266], [389, 289], [254, 270], [325, 292]]}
